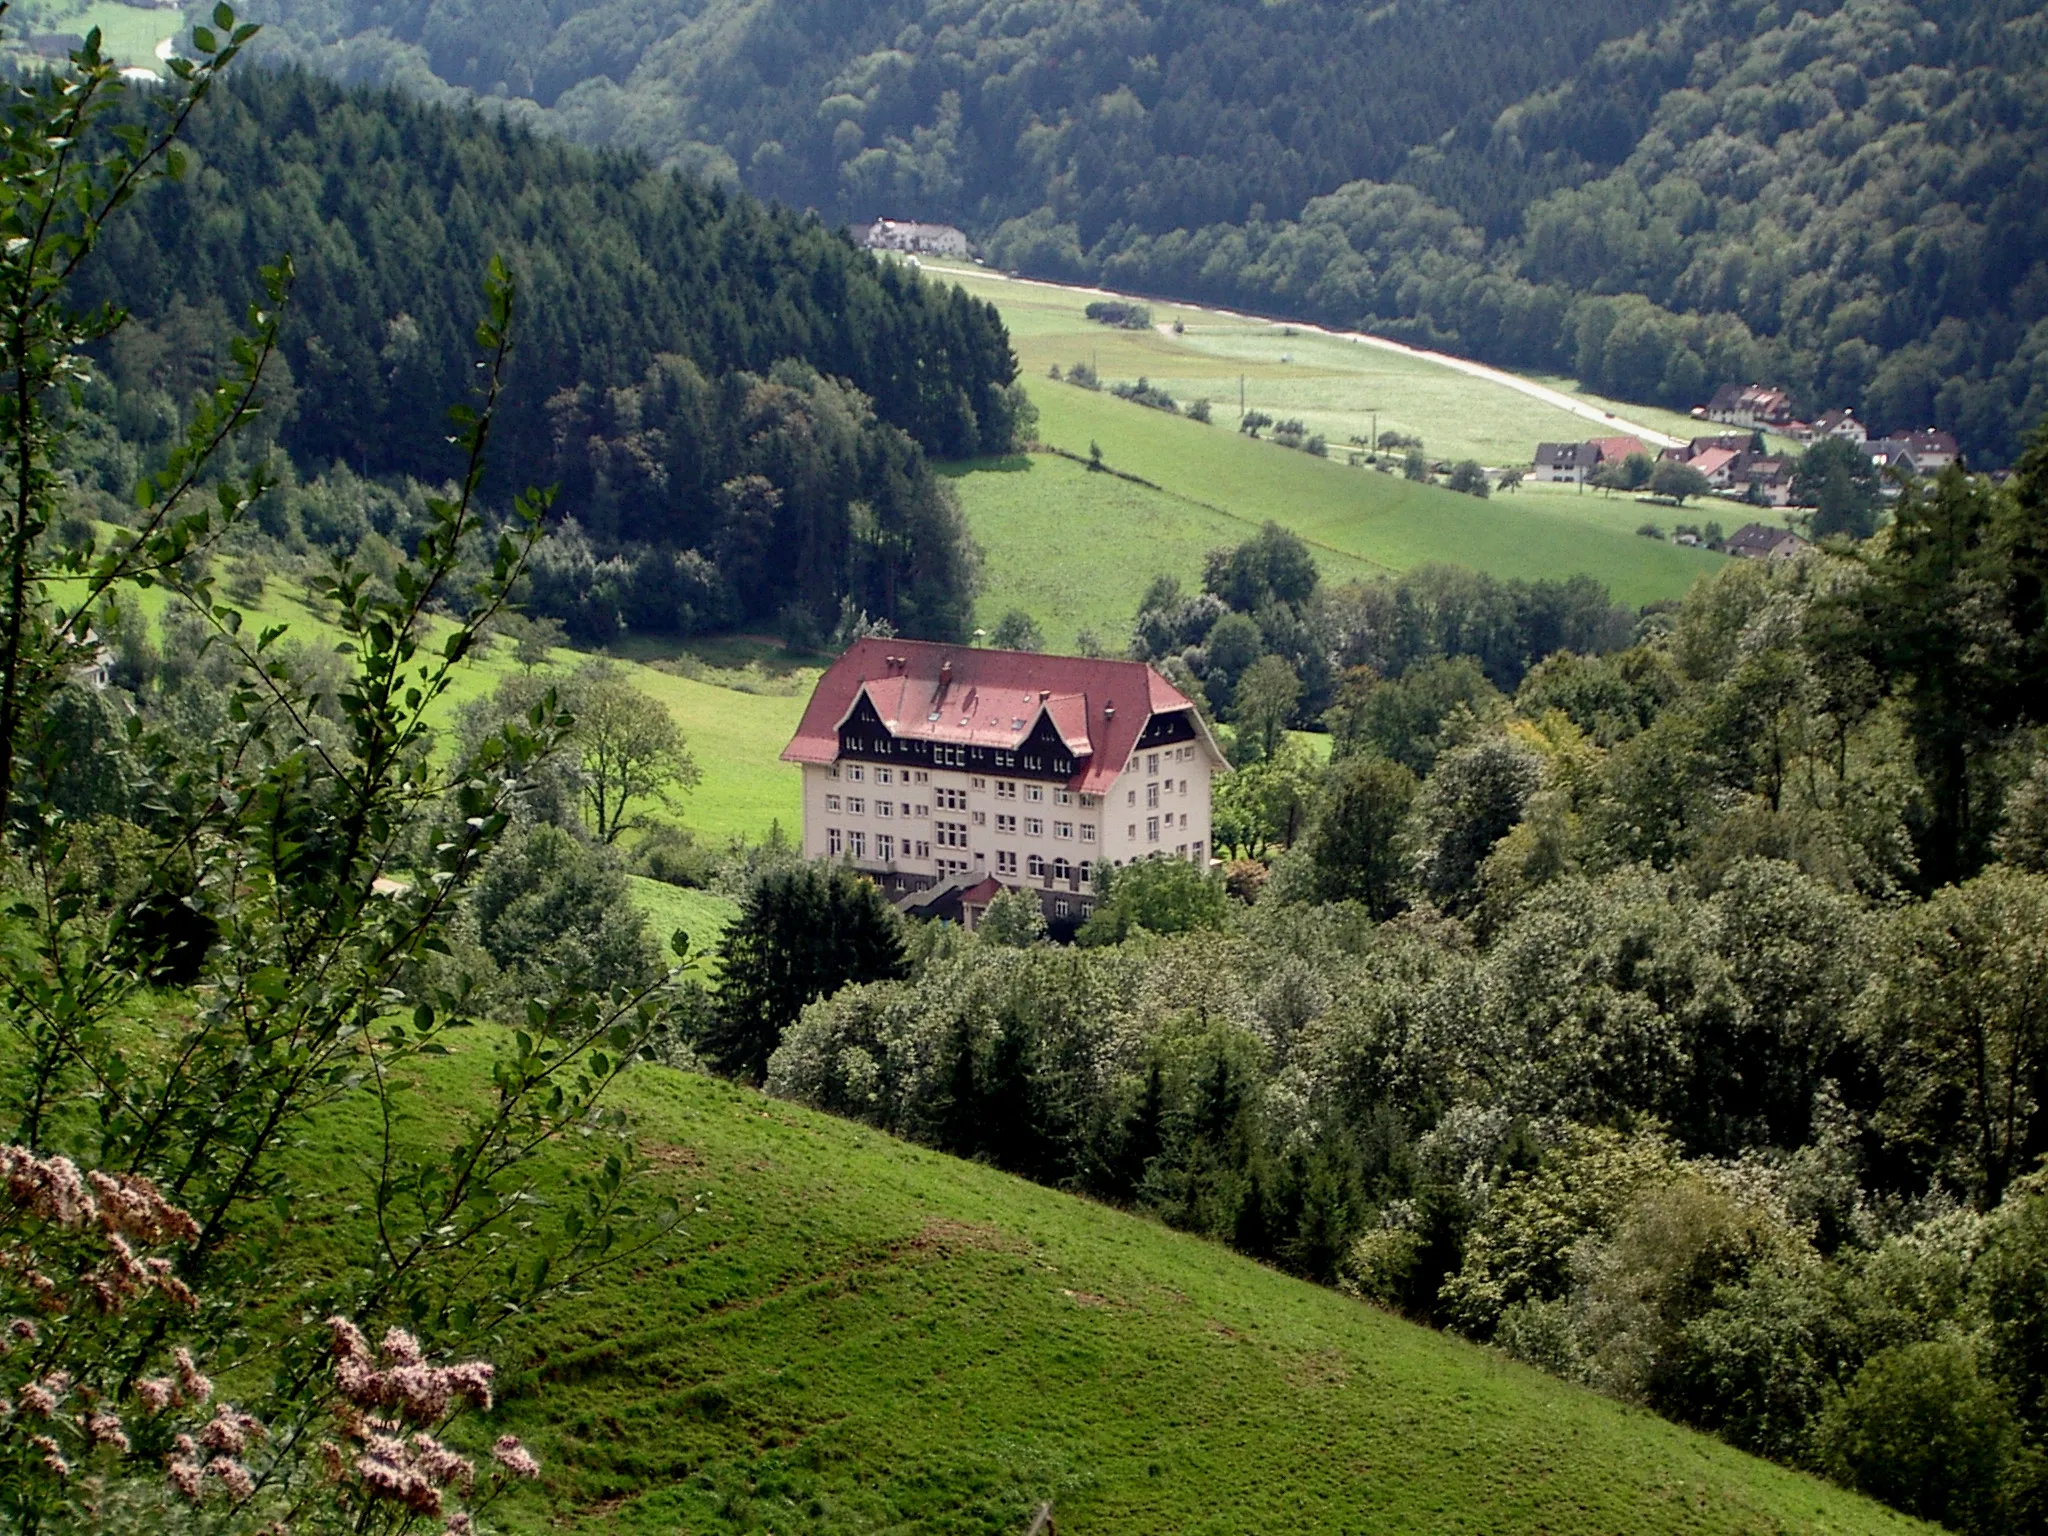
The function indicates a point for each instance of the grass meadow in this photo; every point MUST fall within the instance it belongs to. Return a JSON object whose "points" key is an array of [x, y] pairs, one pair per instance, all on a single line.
{"points": [[1336, 386], [1075, 550], [703, 915], [853, 1334], [734, 735], [129, 34]]}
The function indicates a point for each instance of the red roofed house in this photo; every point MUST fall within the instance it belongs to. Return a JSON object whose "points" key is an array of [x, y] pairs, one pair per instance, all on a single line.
{"points": [[1751, 406], [1617, 450], [1717, 464], [926, 762]]}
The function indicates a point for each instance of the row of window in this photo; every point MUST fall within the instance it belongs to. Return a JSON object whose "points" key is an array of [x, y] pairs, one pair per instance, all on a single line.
{"points": [[1038, 868], [955, 799], [1006, 826], [855, 842], [1152, 827], [858, 775], [854, 805]]}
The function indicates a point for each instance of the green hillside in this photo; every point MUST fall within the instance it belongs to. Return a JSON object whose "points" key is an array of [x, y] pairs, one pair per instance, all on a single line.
{"points": [[1043, 525], [855, 1334]]}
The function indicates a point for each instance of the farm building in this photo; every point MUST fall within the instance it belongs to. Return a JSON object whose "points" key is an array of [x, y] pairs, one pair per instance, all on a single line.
{"points": [[908, 235], [1759, 541]]}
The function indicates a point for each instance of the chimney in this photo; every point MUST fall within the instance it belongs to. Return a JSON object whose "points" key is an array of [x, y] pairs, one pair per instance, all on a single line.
{"points": [[1044, 694], [1109, 711]]}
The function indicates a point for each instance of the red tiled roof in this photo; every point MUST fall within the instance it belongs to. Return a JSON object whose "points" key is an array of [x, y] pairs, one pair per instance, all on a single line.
{"points": [[982, 892], [1616, 450], [1712, 461], [960, 695]]}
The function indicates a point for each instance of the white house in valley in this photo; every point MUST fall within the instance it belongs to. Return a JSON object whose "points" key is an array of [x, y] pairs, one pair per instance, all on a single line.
{"points": [[929, 765]]}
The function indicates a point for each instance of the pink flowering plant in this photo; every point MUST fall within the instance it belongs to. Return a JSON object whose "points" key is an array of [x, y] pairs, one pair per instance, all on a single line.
{"points": [[89, 1441]]}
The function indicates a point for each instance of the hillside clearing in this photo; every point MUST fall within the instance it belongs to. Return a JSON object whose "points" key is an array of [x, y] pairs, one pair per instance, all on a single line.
{"points": [[1045, 523], [1337, 383]]}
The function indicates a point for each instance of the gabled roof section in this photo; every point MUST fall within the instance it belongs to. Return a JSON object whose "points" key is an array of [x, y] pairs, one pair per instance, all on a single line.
{"points": [[958, 695], [1616, 450]]}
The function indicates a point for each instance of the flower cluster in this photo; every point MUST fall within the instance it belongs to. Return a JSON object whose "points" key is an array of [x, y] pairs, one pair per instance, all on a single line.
{"points": [[75, 1246], [392, 1397], [405, 1384], [121, 1211]]}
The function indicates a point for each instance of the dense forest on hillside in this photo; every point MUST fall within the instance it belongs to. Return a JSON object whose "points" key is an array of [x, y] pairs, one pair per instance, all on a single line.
{"points": [[705, 377], [1660, 196]]}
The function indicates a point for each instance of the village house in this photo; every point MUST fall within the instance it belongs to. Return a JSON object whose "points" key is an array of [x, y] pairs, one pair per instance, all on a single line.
{"points": [[1574, 463], [1761, 478], [1922, 453], [1759, 541], [936, 769], [909, 235], [1717, 464], [1753, 405], [1563, 463], [1617, 450], [1842, 424]]}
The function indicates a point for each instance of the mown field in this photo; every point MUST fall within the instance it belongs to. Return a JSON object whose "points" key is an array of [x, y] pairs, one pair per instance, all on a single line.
{"points": [[857, 1335], [129, 34], [1075, 550], [1337, 386]]}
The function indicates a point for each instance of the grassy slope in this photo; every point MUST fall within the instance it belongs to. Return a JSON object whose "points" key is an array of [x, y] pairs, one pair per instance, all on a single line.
{"points": [[1334, 385], [1046, 529], [1044, 522], [734, 736], [1368, 516], [701, 914], [859, 1335]]}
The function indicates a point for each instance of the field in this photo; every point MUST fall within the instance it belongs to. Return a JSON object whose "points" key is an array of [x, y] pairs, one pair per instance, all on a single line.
{"points": [[701, 914], [129, 34], [734, 735], [857, 1335], [1336, 385], [1045, 524]]}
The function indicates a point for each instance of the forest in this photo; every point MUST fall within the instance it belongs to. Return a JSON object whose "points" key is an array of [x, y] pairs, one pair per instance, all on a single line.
{"points": [[1658, 196], [1669, 1017], [705, 378]]}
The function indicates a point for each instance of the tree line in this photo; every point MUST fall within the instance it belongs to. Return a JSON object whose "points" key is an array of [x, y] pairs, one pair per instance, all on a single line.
{"points": [[703, 376]]}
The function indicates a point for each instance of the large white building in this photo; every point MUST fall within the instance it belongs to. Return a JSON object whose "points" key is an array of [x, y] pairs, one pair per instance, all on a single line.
{"points": [[928, 764]]}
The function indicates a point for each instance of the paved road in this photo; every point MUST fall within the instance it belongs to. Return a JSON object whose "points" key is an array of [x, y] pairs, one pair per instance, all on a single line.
{"points": [[1615, 426]]}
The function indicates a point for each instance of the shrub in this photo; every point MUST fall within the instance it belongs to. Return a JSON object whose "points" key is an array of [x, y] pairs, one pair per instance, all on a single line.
{"points": [[1121, 313], [1922, 1430], [672, 855]]}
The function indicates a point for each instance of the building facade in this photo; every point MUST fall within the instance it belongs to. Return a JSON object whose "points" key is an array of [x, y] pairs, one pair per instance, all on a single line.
{"points": [[909, 235], [926, 764]]}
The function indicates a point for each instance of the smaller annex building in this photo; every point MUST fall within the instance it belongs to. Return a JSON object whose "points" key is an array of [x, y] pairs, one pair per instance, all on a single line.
{"points": [[929, 765]]}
